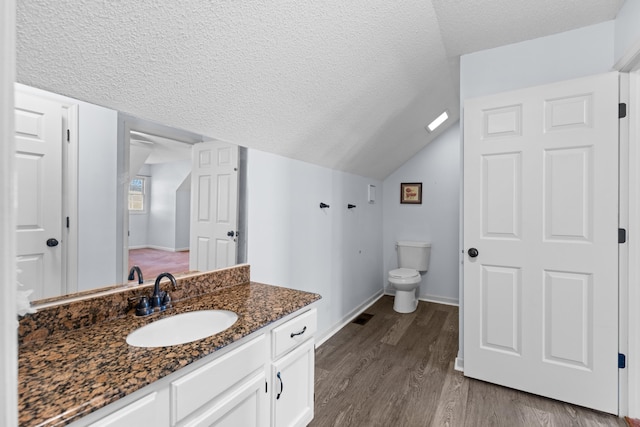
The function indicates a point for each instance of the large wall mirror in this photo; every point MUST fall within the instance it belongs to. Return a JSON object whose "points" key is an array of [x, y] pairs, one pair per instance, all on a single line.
{"points": [[100, 191]]}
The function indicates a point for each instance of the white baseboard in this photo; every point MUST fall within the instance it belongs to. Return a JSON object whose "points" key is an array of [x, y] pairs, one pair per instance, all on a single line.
{"points": [[432, 298], [160, 248], [349, 317], [459, 364], [440, 300]]}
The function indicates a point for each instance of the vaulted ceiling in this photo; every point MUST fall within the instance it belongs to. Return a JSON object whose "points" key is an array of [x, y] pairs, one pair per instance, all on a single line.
{"points": [[348, 85]]}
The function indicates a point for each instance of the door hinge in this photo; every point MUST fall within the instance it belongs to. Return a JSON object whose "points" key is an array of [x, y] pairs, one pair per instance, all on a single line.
{"points": [[622, 361], [68, 135], [622, 110], [622, 235], [67, 222]]}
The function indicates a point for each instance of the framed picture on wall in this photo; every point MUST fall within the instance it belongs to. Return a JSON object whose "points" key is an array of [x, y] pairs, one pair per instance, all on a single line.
{"points": [[411, 192]]}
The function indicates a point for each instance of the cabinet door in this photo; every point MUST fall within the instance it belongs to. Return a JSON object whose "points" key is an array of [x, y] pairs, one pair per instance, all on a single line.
{"points": [[211, 382], [292, 387], [149, 410], [246, 407]]}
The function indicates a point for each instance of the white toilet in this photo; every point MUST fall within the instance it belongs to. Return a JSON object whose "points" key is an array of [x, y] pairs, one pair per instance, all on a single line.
{"points": [[413, 258]]}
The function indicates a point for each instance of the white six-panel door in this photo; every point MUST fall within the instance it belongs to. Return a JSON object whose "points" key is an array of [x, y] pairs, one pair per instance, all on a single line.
{"points": [[541, 209], [214, 206], [38, 127]]}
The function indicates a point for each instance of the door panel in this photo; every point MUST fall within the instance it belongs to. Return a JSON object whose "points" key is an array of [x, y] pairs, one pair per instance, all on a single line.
{"points": [[501, 204], [214, 206], [501, 308], [38, 127], [541, 207]]}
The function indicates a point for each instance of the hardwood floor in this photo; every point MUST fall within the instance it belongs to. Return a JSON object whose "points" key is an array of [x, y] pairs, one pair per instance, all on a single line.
{"points": [[397, 370], [154, 261]]}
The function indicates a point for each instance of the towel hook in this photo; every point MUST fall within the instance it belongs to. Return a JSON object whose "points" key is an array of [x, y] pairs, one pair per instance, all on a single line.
{"points": [[350, 206], [323, 205]]}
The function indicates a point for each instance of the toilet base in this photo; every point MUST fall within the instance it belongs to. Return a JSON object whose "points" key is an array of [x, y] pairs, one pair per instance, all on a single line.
{"points": [[405, 301]]}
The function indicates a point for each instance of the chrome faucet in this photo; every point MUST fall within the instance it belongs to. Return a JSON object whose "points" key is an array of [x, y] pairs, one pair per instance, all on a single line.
{"points": [[159, 301], [132, 274]]}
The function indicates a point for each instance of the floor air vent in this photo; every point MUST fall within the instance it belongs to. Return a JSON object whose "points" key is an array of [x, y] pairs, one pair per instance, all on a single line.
{"points": [[363, 318]]}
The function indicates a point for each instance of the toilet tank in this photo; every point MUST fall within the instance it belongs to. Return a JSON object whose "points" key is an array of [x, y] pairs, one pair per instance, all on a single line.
{"points": [[414, 255]]}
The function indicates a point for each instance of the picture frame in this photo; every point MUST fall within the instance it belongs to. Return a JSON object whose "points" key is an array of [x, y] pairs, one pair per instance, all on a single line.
{"points": [[411, 193]]}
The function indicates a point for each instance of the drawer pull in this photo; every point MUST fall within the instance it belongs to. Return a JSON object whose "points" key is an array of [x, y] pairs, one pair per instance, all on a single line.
{"points": [[281, 385], [298, 333]]}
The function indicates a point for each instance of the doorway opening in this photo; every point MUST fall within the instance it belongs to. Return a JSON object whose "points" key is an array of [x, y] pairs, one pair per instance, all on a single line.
{"points": [[159, 203]]}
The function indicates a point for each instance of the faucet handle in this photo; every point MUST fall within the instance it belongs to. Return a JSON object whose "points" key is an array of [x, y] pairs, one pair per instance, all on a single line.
{"points": [[143, 309], [166, 300]]}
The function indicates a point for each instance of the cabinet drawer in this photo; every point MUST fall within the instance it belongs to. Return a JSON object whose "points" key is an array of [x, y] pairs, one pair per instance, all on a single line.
{"points": [[149, 410], [206, 383], [294, 332]]}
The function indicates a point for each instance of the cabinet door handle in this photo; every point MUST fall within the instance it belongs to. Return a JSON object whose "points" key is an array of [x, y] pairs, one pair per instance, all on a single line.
{"points": [[281, 385], [299, 333]]}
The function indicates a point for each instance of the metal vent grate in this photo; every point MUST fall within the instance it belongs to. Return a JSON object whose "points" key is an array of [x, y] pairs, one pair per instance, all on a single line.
{"points": [[363, 318]]}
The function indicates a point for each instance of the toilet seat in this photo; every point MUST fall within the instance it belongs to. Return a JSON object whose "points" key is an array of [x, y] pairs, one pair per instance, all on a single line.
{"points": [[404, 278], [404, 273]]}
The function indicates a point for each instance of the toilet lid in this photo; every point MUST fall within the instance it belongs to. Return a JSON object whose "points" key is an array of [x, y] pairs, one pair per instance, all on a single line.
{"points": [[403, 273]]}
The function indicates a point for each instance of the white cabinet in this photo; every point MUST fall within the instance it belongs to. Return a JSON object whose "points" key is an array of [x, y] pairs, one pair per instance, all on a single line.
{"points": [[210, 395], [292, 379], [245, 406], [229, 387], [152, 409], [292, 371], [293, 333], [201, 390]]}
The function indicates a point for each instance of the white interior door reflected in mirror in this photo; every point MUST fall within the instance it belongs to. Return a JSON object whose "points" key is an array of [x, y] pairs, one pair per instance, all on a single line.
{"points": [[214, 206], [38, 127]]}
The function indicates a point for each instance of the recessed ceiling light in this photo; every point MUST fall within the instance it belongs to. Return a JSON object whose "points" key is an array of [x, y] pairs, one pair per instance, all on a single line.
{"points": [[437, 122]]}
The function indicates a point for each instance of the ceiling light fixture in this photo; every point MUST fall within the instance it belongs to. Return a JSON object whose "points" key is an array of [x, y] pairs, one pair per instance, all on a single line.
{"points": [[437, 122]]}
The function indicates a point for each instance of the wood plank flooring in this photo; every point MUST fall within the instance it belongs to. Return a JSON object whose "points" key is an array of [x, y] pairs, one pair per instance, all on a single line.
{"points": [[397, 370], [154, 261]]}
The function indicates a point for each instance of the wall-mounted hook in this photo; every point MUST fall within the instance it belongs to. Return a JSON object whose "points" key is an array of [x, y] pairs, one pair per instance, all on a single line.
{"points": [[323, 205], [350, 206]]}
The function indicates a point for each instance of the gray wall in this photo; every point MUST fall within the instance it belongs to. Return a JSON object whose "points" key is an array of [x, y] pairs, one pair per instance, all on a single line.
{"points": [[437, 167], [335, 252], [97, 194], [166, 179], [183, 214]]}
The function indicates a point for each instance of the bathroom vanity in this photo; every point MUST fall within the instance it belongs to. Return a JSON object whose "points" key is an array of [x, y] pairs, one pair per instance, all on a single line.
{"points": [[257, 372]]}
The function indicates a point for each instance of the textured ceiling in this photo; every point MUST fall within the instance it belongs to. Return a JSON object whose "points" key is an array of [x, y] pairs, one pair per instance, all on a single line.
{"points": [[346, 85]]}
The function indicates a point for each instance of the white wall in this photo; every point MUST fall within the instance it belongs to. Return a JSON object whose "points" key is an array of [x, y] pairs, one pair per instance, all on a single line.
{"points": [[183, 214], [166, 178], [569, 55], [627, 32], [8, 341], [97, 188], [293, 243], [437, 166], [563, 56]]}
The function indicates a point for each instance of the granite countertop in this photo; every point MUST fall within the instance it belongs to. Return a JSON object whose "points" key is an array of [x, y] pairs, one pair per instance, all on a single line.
{"points": [[67, 376]]}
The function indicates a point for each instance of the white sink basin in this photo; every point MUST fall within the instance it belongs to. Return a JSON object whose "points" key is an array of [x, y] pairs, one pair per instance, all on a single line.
{"points": [[182, 328]]}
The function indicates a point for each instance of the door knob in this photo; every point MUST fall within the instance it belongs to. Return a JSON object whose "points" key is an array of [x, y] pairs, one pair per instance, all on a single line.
{"points": [[231, 233], [52, 242], [473, 252]]}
